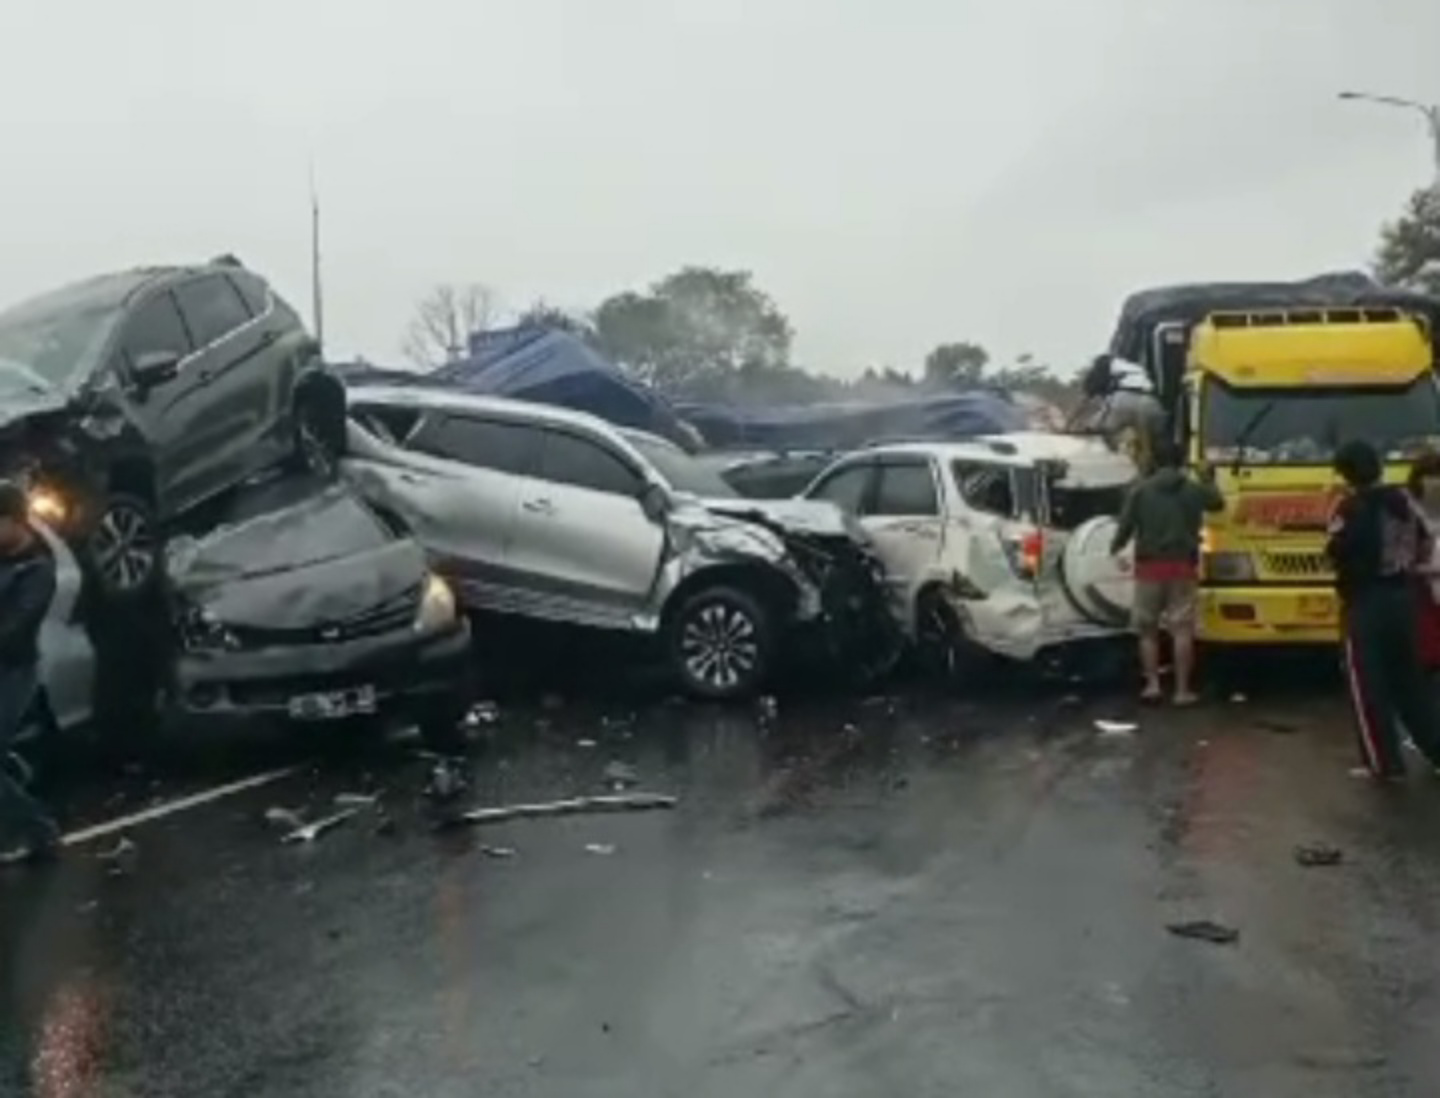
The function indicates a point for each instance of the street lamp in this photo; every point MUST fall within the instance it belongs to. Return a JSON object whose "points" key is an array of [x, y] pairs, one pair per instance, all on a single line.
{"points": [[1430, 112]]}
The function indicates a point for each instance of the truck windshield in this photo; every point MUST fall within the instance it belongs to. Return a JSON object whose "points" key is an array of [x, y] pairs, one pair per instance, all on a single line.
{"points": [[1306, 426]]}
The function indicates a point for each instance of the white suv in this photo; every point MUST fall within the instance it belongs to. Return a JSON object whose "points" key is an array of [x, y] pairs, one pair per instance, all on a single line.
{"points": [[1000, 544]]}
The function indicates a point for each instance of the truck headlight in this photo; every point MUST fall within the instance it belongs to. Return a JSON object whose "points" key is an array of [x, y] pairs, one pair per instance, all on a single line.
{"points": [[437, 606], [1229, 567]]}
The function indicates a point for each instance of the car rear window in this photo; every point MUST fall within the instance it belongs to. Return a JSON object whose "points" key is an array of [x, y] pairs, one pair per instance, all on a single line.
{"points": [[1072, 507]]}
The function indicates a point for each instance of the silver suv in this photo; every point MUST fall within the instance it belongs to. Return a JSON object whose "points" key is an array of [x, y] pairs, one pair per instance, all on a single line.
{"points": [[539, 511]]}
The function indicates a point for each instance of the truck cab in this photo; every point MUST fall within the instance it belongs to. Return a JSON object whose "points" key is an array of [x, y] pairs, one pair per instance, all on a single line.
{"points": [[1262, 383]]}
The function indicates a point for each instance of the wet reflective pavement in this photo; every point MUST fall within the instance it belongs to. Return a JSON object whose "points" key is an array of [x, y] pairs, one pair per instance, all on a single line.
{"points": [[902, 896]]}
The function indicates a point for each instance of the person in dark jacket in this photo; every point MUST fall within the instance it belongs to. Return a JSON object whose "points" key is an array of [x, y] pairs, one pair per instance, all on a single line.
{"points": [[1163, 515], [27, 586], [1377, 543]]}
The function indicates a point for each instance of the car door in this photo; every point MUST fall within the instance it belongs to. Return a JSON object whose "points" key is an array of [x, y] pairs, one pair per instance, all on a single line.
{"points": [[169, 414], [223, 445], [581, 535], [903, 518], [994, 548], [459, 489]]}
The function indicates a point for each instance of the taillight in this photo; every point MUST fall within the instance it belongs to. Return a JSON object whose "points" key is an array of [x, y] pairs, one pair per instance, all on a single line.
{"points": [[1032, 552]]}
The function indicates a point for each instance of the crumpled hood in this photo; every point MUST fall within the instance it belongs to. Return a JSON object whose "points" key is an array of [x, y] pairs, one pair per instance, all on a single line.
{"points": [[18, 403], [314, 594], [796, 516]]}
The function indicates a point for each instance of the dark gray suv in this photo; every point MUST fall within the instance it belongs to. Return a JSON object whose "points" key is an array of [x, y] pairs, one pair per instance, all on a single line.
{"points": [[129, 399]]}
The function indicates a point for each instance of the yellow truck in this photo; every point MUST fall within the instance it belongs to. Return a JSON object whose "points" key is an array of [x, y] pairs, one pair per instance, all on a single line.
{"points": [[1262, 382]]}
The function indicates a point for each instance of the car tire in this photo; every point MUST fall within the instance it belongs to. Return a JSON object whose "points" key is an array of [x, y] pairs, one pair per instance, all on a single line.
{"points": [[123, 551], [945, 650], [317, 451], [721, 644]]}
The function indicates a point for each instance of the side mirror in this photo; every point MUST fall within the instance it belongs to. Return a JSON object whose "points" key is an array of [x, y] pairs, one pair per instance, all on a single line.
{"points": [[655, 502], [155, 368]]}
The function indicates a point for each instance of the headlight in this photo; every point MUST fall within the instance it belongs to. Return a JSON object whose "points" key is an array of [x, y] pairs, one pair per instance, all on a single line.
{"points": [[200, 632], [437, 606], [1229, 567], [47, 505]]}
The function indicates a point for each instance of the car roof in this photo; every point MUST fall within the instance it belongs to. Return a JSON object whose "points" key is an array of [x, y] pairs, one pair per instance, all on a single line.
{"points": [[113, 289], [1011, 448], [433, 398]]}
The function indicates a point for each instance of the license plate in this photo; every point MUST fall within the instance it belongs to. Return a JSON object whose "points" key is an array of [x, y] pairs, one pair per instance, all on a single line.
{"points": [[1317, 606], [333, 705]]}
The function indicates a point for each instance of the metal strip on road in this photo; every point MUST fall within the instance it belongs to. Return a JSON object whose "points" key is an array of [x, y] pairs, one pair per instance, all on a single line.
{"points": [[160, 811]]}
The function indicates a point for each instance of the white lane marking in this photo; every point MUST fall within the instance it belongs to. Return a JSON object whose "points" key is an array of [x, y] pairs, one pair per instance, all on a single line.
{"points": [[160, 811]]}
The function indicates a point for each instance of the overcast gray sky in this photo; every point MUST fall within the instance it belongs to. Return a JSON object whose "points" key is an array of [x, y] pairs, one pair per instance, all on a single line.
{"points": [[896, 172]]}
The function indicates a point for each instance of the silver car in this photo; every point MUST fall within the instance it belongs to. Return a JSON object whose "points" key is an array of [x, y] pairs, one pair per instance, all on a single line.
{"points": [[539, 511]]}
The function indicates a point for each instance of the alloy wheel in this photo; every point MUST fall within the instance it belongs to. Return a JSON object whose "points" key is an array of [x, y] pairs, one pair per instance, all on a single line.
{"points": [[720, 646], [124, 548]]}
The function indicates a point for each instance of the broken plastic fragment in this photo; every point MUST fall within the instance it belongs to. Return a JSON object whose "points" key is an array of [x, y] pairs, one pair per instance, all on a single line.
{"points": [[122, 858], [603, 849], [312, 831], [621, 774], [586, 743], [1203, 930], [287, 818], [1318, 855], [499, 851], [357, 800], [1116, 728], [629, 802], [482, 713]]}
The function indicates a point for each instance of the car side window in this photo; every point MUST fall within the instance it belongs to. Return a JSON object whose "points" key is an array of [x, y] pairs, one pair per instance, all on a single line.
{"points": [[254, 292], [906, 488], [845, 487], [212, 308], [568, 459], [985, 487], [484, 443], [154, 327]]}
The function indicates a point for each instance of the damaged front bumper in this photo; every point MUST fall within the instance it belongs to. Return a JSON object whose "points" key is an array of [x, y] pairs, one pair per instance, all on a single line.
{"points": [[370, 676]]}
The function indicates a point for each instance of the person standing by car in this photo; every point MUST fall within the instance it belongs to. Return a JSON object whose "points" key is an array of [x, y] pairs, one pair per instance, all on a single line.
{"points": [[1162, 515], [1377, 543], [27, 586], [1424, 487]]}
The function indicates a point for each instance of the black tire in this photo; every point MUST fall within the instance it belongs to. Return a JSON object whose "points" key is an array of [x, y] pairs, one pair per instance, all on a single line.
{"points": [[721, 644], [945, 651], [122, 554], [318, 443]]}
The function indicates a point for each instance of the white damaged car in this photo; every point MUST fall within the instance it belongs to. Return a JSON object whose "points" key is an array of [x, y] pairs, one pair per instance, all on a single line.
{"points": [[998, 545]]}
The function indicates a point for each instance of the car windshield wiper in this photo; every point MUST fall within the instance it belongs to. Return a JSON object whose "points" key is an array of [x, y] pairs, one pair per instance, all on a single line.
{"points": [[1242, 440]]}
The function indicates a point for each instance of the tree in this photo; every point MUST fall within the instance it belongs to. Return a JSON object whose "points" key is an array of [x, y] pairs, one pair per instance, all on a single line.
{"points": [[541, 314], [955, 365], [444, 321], [1409, 253], [698, 325]]}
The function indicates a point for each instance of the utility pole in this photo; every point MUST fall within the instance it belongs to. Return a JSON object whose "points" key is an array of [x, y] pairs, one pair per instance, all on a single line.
{"points": [[317, 306], [1429, 111]]}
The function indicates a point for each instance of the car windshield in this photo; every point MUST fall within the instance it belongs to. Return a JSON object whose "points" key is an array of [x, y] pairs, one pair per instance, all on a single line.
{"points": [[681, 471], [58, 336], [1305, 427]]}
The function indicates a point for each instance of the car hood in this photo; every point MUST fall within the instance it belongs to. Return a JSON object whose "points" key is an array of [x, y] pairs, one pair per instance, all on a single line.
{"points": [[19, 403], [326, 592], [794, 516]]}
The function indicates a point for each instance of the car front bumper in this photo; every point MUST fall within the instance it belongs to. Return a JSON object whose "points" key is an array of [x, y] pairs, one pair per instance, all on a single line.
{"points": [[1269, 615], [402, 672]]}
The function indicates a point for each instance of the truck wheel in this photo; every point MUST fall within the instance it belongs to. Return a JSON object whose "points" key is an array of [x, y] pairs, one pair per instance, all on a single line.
{"points": [[721, 644]]}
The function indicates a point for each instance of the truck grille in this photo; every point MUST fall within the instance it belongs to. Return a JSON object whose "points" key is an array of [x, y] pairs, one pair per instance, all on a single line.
{"points": [[1296, 564]]}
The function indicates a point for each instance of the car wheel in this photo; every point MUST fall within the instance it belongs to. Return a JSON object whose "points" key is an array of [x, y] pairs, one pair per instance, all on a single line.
{"points": [[721, 644], [315, 452], [944, 649], [124, 548]]}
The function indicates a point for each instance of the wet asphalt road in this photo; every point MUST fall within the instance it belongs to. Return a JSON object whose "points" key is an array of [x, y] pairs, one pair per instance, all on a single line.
{"points": [[913, 896]]}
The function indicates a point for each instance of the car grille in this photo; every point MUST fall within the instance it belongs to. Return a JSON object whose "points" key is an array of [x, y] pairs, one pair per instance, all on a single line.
{"points": [[397, 614], [1292, 564]]}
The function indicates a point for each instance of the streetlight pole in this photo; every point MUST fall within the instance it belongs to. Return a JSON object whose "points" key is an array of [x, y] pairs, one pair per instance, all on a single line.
{"points": [[1429, 111]]}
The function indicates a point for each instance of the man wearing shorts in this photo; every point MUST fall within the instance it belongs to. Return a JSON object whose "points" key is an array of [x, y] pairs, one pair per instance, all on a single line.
{"points": [[1162, 515]]}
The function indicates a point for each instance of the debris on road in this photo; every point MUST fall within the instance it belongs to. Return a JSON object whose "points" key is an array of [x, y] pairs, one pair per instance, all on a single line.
{"points": [[1203, 930], [356, 800], [287, 818], [121, 859], [631, 802], [445, 782], [499, 852], [769, 708], [1116, 728], [621, 775], [312, 831], [482, 713], [1280, 728], [1238, 699], [1317, 855], [586, 744], [603, 849]]}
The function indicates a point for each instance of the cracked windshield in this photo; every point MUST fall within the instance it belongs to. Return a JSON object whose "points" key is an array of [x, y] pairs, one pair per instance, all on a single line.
{"points": [[807, 549]]}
